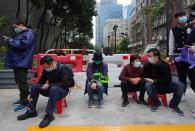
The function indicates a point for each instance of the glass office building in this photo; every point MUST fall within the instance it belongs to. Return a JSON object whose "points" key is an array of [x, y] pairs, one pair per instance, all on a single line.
{"points": [[106, 9]]}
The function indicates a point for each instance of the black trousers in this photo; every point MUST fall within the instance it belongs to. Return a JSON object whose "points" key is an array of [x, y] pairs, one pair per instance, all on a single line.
{"points": [[128, 87], [21, 80], [184, 71]]}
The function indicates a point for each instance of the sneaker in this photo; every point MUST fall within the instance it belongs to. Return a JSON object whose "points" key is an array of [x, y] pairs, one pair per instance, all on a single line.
{"points": [[177, 110], [18, 102], [125, 103], [143, 102], [20, 107], [155, 108], [27, 114], [46, 120], [90, 102], [193, 111], [100, 103]]}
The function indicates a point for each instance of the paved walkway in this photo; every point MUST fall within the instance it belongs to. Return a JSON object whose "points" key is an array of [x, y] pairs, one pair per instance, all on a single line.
{"points": [[77, 112]]}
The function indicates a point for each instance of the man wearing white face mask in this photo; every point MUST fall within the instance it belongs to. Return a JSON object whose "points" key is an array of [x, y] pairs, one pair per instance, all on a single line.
{"points": [[157, 73], [132, 80], [56, 79]]}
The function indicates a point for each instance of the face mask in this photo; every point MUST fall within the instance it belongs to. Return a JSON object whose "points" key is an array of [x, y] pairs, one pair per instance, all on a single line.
{"points": [[48, 69], [17, 30], [97, 62], [137, 64], [150, 60], [183, 19], [193, 13]]}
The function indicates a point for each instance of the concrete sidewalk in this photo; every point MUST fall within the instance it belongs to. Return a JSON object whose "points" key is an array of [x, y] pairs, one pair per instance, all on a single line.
{"points": [[77, 112]]}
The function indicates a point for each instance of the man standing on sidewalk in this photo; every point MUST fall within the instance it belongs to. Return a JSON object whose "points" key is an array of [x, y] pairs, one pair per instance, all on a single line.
{"points": [[178, 39], [19, 58]]}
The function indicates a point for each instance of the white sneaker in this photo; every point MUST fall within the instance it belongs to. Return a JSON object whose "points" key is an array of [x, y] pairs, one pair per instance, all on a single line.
{"points": [[193, 116], [193, 111]]}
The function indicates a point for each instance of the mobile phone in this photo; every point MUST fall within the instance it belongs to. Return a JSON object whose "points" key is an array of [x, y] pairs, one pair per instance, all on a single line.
{"points": [[187, 46]]}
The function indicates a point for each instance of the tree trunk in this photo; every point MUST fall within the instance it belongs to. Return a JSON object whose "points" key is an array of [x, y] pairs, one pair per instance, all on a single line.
{"points": [[48, 30], [18, 10]]}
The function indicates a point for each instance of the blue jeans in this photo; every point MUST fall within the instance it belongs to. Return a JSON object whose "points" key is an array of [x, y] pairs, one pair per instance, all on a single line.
{"points": [[99, 90], [177, 88], [53, 92]]}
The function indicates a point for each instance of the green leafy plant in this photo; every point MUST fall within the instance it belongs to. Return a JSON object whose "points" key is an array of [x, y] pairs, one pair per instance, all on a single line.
{"points": [[3, 21]]}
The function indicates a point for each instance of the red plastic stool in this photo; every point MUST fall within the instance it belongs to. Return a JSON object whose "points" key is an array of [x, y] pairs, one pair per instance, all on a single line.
{"points": [[163, 98], [59, 105], [134, 95]]}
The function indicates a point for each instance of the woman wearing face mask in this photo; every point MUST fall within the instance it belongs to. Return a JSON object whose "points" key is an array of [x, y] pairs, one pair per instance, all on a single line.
{"points": [[132, 80], [93, 87]]}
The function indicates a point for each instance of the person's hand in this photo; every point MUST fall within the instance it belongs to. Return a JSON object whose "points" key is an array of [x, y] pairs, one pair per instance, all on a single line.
{"points": [[5, 38], [29, 99], [192, 48], [93, 86], [149, 80], [170, 60], [45, 87], [134, 81]]}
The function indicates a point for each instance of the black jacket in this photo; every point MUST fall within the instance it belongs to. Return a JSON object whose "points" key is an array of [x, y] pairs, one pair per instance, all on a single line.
{"points": [[160, 73], [56, 77]]}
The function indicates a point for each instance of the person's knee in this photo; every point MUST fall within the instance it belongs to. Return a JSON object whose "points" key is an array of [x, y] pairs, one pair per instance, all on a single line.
{"points": [[124, 84], [36, 87], [100, 87], [54, 89], [149, 87]]}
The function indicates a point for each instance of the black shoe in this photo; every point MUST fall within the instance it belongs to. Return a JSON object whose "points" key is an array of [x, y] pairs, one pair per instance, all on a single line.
{"points": [[155, 108], [125, 103], [27, 114], [90, 103], [46, 120], [143, 102], [177, 110]]}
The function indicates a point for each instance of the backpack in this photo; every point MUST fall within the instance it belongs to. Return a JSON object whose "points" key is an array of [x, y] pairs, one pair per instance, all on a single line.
{"points": [[70, 81]]}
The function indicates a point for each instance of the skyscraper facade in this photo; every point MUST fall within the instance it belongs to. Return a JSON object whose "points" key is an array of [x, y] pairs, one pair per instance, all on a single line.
{"points": [[106, 9]]}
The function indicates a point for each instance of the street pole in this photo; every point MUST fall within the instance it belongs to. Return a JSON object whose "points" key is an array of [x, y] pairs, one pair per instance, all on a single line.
{"points": [[115, 29], [167, 27], [108, 44]]}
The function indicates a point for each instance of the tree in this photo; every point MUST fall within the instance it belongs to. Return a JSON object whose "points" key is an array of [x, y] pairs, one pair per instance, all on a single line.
{"points": [[68, 18]]}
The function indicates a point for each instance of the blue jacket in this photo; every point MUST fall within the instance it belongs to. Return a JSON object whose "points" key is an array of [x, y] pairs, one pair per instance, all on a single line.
{"points": [[21, 49]]}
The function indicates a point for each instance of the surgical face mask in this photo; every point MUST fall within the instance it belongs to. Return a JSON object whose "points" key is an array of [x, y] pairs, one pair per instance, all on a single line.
{"points": [[193, 13], [137, 64], [183, 19], [48, 69], [97, 62], [17, 30], [150, 60]]}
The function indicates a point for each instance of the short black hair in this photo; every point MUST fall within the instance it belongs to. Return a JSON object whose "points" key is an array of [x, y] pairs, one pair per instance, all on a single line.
{"points": [[134, 57], [46, 60], [193, 7], [180, 14], [20, 23], [155, 52]]}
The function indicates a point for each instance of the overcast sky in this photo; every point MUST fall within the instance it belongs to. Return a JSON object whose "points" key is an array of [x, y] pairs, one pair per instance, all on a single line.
{"points": [[124, 2]]}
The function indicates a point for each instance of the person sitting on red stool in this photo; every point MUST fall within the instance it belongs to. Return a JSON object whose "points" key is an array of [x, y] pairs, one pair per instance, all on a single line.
{"points": [[157, 73], [56, 79], [132, 80]]}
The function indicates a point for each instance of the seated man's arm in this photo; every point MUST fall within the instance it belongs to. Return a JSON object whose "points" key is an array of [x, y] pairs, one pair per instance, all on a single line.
{"points": [[89, 72], [43, 79], [165, 77]]}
